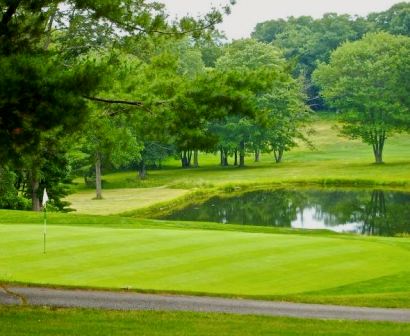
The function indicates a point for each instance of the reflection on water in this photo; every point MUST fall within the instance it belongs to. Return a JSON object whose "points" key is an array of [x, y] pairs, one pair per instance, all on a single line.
{"points": [[374, 212]]}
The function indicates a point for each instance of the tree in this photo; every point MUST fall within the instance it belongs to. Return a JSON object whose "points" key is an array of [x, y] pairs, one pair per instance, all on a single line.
{"points": [[281, 108], [46, 81], [286, 119], [368, 81], [108, 140], [395, 20], [211, 97], [36, 84], [39, 94], [307, 41], [9, 193], [248, 55], [268, 30]]}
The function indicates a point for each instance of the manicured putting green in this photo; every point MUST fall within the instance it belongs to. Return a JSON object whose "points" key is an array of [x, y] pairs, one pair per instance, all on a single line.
{"points": [[221, 262]]}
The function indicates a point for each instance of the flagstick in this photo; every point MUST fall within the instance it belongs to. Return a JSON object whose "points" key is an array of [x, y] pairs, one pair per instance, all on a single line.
{"points": [[45, 227]]}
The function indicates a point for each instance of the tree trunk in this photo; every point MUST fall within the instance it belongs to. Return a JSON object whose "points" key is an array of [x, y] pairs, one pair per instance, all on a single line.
{"points": [[379, 139], [8, 15], [226, 163], [98, 188], [186, 159], [278, 155], [236, 157], [142, 170], [242, 154], [189, 158], [257, 155], [183, 159], [35, 200], [196, 162], [378, 156], [221, 156], [224, 157]]}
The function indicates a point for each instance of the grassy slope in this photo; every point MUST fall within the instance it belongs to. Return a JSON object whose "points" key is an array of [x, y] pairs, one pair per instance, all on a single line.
{"points": [[41, 321], [335, 159], [313, 267]]}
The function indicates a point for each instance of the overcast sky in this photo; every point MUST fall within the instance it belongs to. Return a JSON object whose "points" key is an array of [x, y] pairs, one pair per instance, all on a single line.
{"points": [[247, 13]]}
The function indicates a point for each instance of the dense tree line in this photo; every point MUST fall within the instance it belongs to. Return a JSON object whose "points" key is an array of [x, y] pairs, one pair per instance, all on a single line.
{"points": [[308, 41]]}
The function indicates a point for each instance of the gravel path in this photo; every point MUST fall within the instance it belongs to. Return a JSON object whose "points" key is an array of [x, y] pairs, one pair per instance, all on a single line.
{"points": [[135, 301]]}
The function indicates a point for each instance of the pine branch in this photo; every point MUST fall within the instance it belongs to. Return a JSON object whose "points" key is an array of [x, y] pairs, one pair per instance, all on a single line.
{"points": [[114, 101]]}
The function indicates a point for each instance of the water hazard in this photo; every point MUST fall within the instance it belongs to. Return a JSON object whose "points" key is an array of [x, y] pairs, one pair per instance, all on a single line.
{"points": [[369, 212]]}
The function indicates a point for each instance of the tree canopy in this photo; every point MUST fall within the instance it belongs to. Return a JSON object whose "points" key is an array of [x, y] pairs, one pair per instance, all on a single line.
{"points": [[368, 82], [93, 85]]}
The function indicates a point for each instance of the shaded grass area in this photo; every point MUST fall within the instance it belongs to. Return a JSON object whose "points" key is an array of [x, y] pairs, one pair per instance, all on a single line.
{"points": [[43, 321], [292, 267]]}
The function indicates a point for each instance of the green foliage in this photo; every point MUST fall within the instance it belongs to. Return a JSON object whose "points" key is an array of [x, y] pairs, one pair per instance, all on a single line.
{"points": [[310, 40], [395, 20], [9, 195], [38, 94], [268, 30], [280, 107], [368, 81], [307, 41], [287, 119], [44, 82], [54, 171], [89, 22], [112, 138], [250, 54], [211, 48]]}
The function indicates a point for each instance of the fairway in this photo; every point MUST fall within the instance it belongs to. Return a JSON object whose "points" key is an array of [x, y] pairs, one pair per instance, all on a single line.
{"points": [[200, 261]]}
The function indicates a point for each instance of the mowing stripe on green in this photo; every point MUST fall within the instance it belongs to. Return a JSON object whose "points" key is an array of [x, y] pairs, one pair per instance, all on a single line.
{"points": [[219, 262]]}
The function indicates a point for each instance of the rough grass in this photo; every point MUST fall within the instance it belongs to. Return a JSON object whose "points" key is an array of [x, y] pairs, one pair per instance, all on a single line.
{"points": [[308, 268], [120, 200], [42, 321]]}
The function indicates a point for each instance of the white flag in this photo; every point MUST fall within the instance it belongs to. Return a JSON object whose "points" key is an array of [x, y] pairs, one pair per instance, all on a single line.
{"points": [[45, 197]]}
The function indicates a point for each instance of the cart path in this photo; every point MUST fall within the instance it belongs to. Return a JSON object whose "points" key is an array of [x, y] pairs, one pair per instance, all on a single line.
{"points": [[38, 296]]}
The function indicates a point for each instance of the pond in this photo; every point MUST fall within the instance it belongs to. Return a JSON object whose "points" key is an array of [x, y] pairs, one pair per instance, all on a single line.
{"points": [[369, 212]]}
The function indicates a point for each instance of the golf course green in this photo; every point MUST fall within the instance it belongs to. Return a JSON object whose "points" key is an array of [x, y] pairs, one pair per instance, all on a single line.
{"points": [[200, 261]]}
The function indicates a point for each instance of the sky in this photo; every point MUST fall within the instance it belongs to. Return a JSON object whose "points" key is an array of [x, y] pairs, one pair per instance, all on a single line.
{"points": [[247, 13]]}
